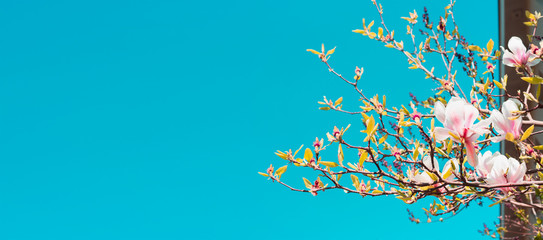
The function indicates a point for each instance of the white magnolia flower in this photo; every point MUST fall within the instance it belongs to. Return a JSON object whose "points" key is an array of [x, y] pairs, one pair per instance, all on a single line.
{"points": [[505, 170], [448, 172], [485, 163], [518, 56], [504, 121]]}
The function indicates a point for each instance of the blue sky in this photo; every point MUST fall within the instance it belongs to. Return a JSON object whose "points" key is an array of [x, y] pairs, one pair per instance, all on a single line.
{"points": [[151, 119]]}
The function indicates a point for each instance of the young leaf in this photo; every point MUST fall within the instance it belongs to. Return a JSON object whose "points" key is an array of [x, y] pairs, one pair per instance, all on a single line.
{"points": [[307, 183], [540, 147], [329, 164], [331, 51], [313, 51], [490, 45], [527, 133], [338, 101], [355, 180], [533, 80], [263, 174], [498, 84], [281, 170], [509, 137], [308, 155], [475, 48]]}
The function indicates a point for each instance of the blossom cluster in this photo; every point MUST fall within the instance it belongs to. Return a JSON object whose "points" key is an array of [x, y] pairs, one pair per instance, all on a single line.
{"points": [[404, 158]]}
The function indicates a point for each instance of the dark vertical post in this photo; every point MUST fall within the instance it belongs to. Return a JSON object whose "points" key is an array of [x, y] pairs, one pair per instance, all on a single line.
{"points": [[511, 18]]}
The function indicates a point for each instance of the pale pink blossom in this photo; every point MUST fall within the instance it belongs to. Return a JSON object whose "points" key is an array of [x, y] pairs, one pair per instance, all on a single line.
{"points": [[424, 177], [505, 122], [505, 170], [458, 120], [447, 173], [518, 56], [485, 163]]}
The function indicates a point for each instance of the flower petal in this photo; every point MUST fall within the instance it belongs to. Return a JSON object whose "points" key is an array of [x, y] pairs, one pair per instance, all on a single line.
{"points": [[455, 115], [439, 111], [499, 121], [508, 58], [516, 46], [470, 152], [441, 133], [470, 114]]}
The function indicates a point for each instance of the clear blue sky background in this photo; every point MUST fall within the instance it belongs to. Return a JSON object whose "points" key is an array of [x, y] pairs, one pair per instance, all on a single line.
{"points": [[151, 119]]}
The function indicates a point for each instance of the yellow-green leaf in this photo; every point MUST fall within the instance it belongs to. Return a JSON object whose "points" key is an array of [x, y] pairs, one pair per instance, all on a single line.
{"points": [[338, 101], [475, 48], [308, 155], [540, 147], [263, 174], [529, 96], [307, 183], [331, 51], [498, 84], [355, 180], [509, 137], [371, 24], [359, 31], [363, 158], [448, 173], [281, 170], [490, 45], [313, 51], [382, 139], [298, 150], [527, 133], [329, 164], [324, 108], [282, 155], [533, 80]]}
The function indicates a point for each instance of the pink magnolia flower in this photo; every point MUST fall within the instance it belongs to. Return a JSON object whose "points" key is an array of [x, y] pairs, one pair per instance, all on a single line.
{"points": [[505, 170], [458, 120], [518, 56], [503, 122]]}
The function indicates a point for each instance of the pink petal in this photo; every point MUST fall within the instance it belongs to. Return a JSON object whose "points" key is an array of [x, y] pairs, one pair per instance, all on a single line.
{"points": [[455, 115], [470, 114], [499, 121], [516, 46], [517, 174], [481, 127], [441, 133], [470, 152], [508, 58]]}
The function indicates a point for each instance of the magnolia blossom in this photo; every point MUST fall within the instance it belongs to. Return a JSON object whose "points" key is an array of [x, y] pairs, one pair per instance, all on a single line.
{"points": [[485, 163], [458, 123], [447, 173], [505, 170], [518, 56], [504, 121], [424, 176]]}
